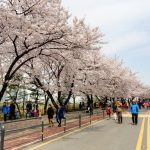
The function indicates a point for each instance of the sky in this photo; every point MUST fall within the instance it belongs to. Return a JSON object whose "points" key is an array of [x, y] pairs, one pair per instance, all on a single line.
{"points": [[126, 26]]}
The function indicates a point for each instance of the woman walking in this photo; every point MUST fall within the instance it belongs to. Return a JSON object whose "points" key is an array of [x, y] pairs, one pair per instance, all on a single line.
{"points": [[50, 114], [119, 111]]}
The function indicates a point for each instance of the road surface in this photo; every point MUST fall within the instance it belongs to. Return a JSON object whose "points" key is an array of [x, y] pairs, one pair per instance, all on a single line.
{"points": [[104, 135]]}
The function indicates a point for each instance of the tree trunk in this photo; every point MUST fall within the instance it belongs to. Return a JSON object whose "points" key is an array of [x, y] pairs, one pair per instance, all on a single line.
{"points": [[68, 98], [74, 102], [45, 105], [18, 109], [47, 92], [88, 100], [52, 99], [59, 97], [4, 87]]}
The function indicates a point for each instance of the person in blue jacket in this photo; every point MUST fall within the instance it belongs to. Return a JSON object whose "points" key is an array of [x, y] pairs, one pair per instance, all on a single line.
{"points": [[134, 109], [60, 114], [5, 111]]}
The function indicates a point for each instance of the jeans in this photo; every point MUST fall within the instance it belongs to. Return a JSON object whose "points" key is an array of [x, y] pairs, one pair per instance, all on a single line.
{"points": [[119, 114], [5, 117], [134, 118]]}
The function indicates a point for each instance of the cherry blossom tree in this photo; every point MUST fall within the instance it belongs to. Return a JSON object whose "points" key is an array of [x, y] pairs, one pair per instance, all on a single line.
{"points": [[37, 40], [29, 28]]}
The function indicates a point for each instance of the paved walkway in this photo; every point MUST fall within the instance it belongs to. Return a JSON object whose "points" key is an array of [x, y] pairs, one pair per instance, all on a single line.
{"points": [[104, 135]]}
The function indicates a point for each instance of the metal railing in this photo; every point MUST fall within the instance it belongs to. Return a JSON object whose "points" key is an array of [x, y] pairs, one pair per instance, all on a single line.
{"points": [[74, 120]]}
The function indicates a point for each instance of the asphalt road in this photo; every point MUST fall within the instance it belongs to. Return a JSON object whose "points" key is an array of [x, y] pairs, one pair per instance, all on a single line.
{"points": [[104, 135]]}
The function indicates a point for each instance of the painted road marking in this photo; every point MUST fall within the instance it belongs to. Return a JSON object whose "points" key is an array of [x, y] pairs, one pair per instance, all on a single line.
{"points": [[139, 116], [139, 142], [148, 134], [56, 139]]}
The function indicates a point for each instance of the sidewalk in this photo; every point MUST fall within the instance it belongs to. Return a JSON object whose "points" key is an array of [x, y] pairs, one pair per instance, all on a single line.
{"points": [[16, 139], [20, 124]]}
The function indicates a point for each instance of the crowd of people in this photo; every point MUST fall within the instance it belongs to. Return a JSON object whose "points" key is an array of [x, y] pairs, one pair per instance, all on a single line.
{"points": [[9, 111], [113, 107], [32, 110], [116, 107], [60, 114]]}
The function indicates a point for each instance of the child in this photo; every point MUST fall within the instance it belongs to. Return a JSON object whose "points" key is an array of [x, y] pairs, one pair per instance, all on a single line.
{"points": [[108, 111]]}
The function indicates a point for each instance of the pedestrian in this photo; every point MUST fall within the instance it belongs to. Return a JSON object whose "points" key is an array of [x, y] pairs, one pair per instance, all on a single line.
{"points": [[5, 111], [28, 109], [35, 111], [140, 103], [50, 114], [114, 108], [83, 106], [12, 114], [80, 106], [36, 108], [91, 109], [60, 114], [134, 109], [119, 111], [108, 111]]}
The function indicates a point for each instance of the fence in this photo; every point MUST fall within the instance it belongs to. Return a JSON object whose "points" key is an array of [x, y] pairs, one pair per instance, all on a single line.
{"points": [[33, 130]]}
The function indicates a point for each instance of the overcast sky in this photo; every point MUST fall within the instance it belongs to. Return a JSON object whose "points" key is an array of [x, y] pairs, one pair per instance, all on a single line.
{"points": [[126, 25]]}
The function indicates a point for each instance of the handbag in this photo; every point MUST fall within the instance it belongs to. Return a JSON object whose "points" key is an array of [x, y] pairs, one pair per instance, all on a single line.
{"points": [[119, 109]]}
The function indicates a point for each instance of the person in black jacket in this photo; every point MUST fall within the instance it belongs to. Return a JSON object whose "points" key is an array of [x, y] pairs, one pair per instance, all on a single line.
{"points": [[50, 114], [28, 109], [12, 111]]}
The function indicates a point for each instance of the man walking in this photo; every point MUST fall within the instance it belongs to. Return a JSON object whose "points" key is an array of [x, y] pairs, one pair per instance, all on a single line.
{"points": [[12, 111], [5, 111], [134, 109], [60, 114]]}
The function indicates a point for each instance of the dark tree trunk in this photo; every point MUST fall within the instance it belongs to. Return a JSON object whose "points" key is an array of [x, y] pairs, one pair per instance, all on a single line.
{"points": [[48, 93], [52, 99], [18, 109], [59, 97], [70, 93], [4, 87], [68, 98], [45, 105], [89, 100], [74, 102], [10, 74]]}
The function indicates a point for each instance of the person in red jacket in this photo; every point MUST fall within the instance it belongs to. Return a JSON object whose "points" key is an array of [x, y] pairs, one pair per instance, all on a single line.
{"points": [[108, 111]]}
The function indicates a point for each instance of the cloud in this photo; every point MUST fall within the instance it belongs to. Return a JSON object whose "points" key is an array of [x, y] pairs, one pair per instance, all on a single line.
{"points": [[130, 41], [122, 21], [126, 26], [109, 11]]}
